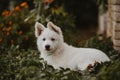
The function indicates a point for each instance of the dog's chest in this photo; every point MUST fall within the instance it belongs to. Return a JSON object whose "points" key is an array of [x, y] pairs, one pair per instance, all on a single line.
{"points": [[55, 60]]}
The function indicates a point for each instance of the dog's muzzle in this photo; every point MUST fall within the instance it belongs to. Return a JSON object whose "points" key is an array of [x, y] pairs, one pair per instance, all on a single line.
{"points": [[47, 47]]}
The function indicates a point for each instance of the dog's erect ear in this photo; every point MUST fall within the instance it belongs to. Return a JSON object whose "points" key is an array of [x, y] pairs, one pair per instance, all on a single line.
{"points": [[38, 28], [53, 27]]}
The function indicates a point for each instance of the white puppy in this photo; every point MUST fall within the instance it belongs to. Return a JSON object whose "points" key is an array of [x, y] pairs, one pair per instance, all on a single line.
{"points": [[59, 54]]}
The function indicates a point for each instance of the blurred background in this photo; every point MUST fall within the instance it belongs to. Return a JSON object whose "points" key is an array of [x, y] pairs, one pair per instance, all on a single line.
{"points": [[80, 20], [76, 18]]}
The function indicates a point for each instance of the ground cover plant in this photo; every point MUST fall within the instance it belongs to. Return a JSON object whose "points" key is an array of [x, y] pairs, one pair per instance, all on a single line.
{"points": [[20, 64]]}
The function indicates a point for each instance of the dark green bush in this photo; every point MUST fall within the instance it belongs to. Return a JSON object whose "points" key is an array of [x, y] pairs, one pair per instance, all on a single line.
{"points": [[14, 30], [20, 64], [19, 59], [26, 65]]}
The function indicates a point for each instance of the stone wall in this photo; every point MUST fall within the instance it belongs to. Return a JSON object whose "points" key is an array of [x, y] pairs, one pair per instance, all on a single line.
{"points": [[114, 21]]}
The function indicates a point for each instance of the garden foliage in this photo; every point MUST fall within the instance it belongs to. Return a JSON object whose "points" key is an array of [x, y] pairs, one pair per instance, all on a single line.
{"points": [[19, 57]]}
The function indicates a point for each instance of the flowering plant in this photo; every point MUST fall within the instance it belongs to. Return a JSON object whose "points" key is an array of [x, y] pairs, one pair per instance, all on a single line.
{"points": [[13, 29], [17, 25]]}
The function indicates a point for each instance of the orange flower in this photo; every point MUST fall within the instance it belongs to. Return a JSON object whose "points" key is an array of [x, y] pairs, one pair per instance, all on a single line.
{"points": [[17, 8], [26, 6], [8, 33], [48, 1], [5, 12], [20, 32], [11, 13], [10, 22], [12, 41], [23, 4], [1, 40], [9, 28]]}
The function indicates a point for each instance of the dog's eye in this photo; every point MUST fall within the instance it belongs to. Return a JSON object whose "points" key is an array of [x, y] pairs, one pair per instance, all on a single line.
{"points": [[52, 39], [44, 39]]}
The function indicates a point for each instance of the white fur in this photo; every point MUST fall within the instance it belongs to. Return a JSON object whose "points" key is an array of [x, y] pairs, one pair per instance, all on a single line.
{"points": [[60, 53]]}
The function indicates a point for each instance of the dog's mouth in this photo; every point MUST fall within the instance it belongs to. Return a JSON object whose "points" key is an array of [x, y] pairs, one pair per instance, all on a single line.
{"points": [[48, 49]]}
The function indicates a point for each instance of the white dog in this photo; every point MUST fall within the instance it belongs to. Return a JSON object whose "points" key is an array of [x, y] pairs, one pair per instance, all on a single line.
{"points": [[58, 54]]}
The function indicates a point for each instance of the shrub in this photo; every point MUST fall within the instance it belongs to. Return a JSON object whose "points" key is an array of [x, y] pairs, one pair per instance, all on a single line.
{"points": [[20, 64], [20, 59], [13, 29], [26, 65], [17, 25]]}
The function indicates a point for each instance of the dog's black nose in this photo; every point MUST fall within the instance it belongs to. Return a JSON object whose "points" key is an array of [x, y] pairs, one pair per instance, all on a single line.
{"points": [[47, 47]]}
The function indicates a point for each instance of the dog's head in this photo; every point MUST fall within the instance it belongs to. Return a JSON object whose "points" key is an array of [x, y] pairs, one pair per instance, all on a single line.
{"points": [[48, 39]]}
